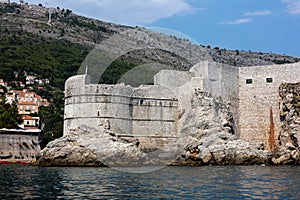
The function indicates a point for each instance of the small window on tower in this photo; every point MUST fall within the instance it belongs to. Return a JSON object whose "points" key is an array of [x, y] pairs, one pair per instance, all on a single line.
{"points": [[249, 81], [269, 80]]}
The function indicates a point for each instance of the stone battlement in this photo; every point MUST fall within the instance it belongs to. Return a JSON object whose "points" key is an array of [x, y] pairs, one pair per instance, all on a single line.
{"points": [[155, 110]]}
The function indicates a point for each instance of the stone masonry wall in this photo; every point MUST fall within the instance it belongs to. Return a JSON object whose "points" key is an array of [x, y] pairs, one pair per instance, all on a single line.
{"points": [[98, 105], [259, 116], [19, 147], [220, 81], [154, 112], [140, 112]]}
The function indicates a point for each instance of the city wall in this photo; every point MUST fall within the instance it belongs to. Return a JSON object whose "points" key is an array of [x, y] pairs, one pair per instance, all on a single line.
{"points": [[259, 100], [19, 146], [154, 110]]}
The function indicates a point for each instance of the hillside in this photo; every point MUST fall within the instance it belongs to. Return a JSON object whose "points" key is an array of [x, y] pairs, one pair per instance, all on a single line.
{"points": [[66, 26]]}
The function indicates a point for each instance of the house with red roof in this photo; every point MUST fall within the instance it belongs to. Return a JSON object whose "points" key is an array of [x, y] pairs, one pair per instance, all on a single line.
{"points": [[27, 108], [30, 122], [29, 103], [32, 97], [15, 93]]}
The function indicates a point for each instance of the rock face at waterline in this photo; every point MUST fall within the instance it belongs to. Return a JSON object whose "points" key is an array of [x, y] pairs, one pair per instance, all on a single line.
{"points": [[211, 115], [87, 147]]}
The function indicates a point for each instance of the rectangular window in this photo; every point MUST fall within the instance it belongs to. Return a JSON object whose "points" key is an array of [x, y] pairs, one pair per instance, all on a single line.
{"points": [[249, 81], [269, 80]]}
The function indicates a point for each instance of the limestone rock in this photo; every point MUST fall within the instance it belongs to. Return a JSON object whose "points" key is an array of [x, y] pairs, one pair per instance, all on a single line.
{"points": [[67, 151], [104, 149], [288, 150]]}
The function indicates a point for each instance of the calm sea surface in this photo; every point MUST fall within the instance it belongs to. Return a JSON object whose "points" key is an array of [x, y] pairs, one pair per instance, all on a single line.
{"points": [[232, 182]]}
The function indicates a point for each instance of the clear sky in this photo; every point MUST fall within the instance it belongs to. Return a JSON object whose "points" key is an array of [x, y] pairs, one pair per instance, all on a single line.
{"points": [[255, 25]]}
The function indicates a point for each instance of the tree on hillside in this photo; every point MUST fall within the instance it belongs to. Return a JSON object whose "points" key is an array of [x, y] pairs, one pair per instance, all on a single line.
{"points": [[51, 123], [9, 116]]}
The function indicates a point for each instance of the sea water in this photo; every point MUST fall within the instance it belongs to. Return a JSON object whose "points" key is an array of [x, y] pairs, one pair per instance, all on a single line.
{"points": [[207, 182]]}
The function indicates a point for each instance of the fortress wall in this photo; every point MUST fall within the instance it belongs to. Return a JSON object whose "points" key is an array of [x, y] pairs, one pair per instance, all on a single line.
{"points": [[181, 84], [74, 84], [172, 78], [19, 147], [143, 111], [154, 112], [154, 117], [220, 81], [97, 105], [230, 91], [257, 99], [213, 80], [229, 83]]}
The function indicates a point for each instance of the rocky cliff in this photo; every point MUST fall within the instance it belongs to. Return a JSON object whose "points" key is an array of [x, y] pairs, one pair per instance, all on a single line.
{"points": [[288, 149], [209, 137]]}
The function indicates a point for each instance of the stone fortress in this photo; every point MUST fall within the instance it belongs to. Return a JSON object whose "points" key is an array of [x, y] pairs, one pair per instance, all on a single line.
{"points": [[154, 111]]}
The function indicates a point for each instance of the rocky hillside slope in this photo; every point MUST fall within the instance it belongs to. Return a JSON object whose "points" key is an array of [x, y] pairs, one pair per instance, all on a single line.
{"points": [[67, 26]]}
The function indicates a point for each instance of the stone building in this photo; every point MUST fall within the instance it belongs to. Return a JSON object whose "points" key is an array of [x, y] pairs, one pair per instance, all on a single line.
{"points": [[155, 110], [253, 95]]}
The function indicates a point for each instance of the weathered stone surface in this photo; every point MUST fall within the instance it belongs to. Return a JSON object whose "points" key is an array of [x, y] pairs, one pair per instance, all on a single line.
{"points": [[288, 150], [211, 140], [89, 147], [67, 151], [19, 146]]}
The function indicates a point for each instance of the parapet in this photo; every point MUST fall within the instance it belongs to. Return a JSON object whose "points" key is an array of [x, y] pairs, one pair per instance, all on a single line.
{"points": [[74, 83]]}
